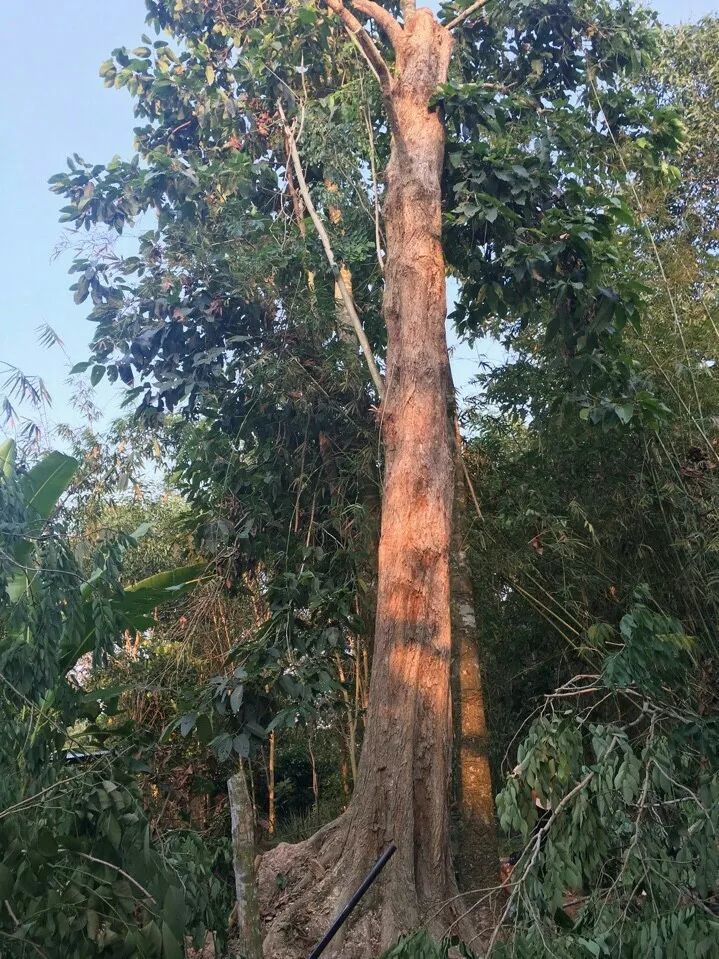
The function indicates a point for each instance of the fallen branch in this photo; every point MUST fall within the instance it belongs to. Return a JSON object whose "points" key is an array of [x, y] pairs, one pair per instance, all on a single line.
{"points": [[111, 865], [537, 845]]}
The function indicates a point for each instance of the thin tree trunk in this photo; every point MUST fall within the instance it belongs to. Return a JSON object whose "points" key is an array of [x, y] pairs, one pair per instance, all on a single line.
{"points": [[243, 861], [253, 798], [351, 717], [475, 828], [315, 780], [344, 778], [271, 811]]}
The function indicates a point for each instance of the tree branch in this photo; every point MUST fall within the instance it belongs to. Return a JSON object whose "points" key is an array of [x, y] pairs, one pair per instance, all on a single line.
{"points": [[472, 8], [375, 192], [367, 44], [363, 53], [383, 18], [342, 286], [537, 844], [111, 865]]}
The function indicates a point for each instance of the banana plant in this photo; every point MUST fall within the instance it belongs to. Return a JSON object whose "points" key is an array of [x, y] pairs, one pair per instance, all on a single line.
{"points": [[66, 839], [39, 493]]}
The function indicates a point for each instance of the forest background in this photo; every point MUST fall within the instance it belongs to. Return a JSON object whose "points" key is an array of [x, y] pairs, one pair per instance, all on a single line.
{"points": [[214, 576]]}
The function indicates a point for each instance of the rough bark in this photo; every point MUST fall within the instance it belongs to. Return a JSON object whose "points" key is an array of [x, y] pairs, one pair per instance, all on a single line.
{"points": [[243, 860], [271, 810], [474, 827], [403, 783], [403, 778]]}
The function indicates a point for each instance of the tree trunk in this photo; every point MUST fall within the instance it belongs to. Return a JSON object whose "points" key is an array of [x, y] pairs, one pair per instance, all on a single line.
{"points": [[403, 784], [404, 772], [243, 861], [475, 828], [315, 780], [271, 810]]}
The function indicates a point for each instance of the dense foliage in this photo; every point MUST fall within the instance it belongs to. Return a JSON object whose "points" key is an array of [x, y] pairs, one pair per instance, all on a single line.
{"points": [[579, 202], [80, 871]]}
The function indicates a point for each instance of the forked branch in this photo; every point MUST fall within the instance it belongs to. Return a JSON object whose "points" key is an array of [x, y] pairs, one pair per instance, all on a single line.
{"points": [[383, 18], [365, 41]]}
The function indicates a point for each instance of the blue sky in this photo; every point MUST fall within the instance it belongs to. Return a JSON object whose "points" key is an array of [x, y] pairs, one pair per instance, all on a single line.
{"points": [[55, 104]]}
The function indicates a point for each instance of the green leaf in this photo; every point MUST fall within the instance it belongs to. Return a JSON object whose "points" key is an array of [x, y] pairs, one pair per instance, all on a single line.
{"points": [[97, 374], [203, 729], [173, 910], [142, 597], [113, 832], [625, 412], [7, 458], [236, 698], [170, 946], [43, 486], [46, 843], [93, 924], [153, 937], [187, 723], [142, 530], [7, 881], [83, 284]]}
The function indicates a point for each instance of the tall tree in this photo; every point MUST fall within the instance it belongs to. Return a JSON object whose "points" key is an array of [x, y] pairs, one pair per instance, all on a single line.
{"points": [[531, 220]]}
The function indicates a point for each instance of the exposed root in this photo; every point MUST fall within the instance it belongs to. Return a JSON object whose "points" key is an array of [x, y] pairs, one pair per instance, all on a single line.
{"points": [[300, 890], [302, 887]]}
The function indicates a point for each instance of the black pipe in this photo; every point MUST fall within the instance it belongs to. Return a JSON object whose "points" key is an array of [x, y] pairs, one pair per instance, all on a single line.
{"points": [[342, 916]]}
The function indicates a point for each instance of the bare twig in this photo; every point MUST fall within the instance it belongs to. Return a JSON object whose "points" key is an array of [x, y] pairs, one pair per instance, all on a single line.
{"points": [[575, 692], [363, 52], [111, 865], [24, 942], [470, 487], [342, 286], [464, 14], [11, 912], [296, 200], [373, 170], [24, 803], [367, 44]]}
